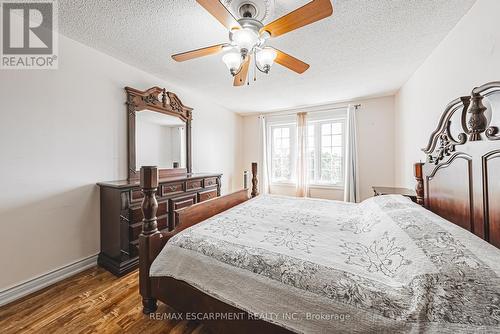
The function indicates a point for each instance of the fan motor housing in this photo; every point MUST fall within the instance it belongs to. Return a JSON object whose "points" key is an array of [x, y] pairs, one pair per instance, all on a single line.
{"points": [[250, 23]]}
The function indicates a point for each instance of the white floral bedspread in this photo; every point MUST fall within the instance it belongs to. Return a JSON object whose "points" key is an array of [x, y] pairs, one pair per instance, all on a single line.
{"points": [[319, 266]]}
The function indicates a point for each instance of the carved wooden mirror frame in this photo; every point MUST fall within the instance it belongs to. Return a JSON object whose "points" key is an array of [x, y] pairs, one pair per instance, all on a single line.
{"points": [[169, 104]]}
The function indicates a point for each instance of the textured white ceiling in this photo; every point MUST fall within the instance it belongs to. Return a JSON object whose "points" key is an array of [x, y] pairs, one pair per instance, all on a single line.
{"points": [[367, 48]]}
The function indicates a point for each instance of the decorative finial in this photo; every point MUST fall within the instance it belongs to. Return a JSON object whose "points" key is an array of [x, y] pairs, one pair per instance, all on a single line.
{"points": [[477, 122], [164, 98]]}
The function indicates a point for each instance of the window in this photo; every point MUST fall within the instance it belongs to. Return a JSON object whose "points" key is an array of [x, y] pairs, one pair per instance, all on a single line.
{"points": [[311, 155], [325, 151], [281, 164], [328, 153]]}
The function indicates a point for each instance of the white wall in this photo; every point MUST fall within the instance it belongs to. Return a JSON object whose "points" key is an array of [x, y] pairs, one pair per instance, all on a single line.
{"points": [[468, 57], [376, 149], [61, 132], [376, 144]]}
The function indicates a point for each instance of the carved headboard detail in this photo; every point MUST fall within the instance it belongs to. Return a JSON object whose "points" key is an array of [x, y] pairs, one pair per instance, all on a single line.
{"points": [[461, 179]]}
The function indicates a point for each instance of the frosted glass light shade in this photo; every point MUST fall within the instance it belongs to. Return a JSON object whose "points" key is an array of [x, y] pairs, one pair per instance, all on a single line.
{"points": [[232, 60], [265, 58], [245, 38]]}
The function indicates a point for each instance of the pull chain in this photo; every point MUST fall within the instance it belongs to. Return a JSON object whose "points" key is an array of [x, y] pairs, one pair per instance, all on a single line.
{"points": [[255, 65]]}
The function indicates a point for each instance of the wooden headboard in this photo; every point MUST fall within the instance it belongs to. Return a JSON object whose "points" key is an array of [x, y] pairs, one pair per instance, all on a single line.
{"points": [[461, 179]]}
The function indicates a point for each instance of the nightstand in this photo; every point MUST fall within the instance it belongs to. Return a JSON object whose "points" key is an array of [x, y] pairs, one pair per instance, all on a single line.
{"points": [[411, 194]]}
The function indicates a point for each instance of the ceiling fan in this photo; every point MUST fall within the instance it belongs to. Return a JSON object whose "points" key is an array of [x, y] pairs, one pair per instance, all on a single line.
{"points": [[248, 37]]}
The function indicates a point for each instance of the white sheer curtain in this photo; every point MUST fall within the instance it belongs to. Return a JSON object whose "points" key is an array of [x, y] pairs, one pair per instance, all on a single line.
{"points": [[351, 187], [302, 186], [263, 169]]}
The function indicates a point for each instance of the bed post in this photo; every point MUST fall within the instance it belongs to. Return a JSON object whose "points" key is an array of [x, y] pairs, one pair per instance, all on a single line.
{"points": [[417, 169], [149, 185], [255, 190]]}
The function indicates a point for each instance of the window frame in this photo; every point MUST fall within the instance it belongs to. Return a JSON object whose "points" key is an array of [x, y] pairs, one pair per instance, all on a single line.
{"points": [[280, 122], [292, 126], [317, 146]]}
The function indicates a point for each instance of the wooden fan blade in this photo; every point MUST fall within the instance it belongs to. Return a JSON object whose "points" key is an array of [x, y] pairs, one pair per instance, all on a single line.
{"points": [[210, 50], [217, 9], [311, 12], [290, 62], [241, 78]]}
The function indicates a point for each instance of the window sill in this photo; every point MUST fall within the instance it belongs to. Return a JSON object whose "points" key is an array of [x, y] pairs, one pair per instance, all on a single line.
{"points": [[311, 186], [324, 186], [282, 184]]}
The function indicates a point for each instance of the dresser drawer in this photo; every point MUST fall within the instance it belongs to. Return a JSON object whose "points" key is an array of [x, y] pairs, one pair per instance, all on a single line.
{"points": [[194, 184], [162, 223], [136, 213], [172, 188], [206, 195], [135, 229], [136, 195], [179, 203], [162, 209], [211, 181], [183, 202]]}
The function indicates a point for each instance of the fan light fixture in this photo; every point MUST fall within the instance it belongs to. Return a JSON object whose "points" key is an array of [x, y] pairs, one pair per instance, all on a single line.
{"points": [[248, 37], [245, 39], [264, 59], [233, 60]]}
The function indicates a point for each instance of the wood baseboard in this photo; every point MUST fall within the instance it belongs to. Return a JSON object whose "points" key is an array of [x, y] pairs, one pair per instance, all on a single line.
{"points": [[23, 289]]}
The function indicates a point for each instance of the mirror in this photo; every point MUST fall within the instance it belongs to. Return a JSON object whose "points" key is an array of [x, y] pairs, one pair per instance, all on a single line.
{"points": [[160, 140], [159, 132]]}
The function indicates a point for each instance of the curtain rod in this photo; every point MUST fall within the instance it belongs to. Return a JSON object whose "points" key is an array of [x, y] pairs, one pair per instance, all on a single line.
{"points": [[298, 110]]}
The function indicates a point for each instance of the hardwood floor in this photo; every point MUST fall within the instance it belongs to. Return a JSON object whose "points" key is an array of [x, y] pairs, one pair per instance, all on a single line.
{"points": [[93, 301]]}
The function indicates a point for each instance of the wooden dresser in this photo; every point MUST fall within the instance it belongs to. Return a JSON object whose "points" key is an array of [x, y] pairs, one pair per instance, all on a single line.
{"points": [[121, 215]]}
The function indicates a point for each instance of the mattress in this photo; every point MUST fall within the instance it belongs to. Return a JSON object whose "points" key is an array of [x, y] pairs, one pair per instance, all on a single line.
{"points": [[321, 266]]}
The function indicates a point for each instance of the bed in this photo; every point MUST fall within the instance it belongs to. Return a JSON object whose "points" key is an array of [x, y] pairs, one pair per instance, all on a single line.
{"points": [[274, 264]]}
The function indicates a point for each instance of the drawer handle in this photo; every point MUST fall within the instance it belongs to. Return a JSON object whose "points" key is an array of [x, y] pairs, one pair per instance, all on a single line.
{"points": [[172, 188], [210, 195]]}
